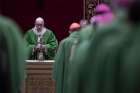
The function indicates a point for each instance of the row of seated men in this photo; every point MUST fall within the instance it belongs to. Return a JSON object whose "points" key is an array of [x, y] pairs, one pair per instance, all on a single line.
{"points": [[104, 56]]}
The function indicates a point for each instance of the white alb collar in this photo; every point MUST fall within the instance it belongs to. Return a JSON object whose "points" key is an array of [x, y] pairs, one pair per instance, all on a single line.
{"points": [[41, 33]]}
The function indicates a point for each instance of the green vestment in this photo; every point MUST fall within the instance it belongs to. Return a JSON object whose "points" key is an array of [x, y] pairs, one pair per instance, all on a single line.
{"points": [[95, 70], [13, 54], [49, 41], [61, 66]]}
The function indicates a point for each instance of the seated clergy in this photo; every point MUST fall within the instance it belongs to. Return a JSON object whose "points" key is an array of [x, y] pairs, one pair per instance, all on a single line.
{"points": [[13, 53], [41, 41]]}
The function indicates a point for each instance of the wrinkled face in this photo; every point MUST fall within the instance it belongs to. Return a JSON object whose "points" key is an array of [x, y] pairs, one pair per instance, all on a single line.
{"points": [[39, 25]]}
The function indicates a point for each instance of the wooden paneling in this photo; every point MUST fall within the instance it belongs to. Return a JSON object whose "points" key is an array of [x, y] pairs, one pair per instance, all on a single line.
{"points": [[89, 8], [39, 78]]}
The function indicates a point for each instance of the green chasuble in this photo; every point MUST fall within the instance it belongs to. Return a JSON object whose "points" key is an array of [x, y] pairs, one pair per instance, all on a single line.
{"points": [[86, 35], [61, 66], [98, 71], [129, 62], [115, 63], [49, 40], [13, 54]]}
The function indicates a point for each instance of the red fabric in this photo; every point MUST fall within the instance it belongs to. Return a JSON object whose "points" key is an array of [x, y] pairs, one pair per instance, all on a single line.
{"points": [[58, 14]]}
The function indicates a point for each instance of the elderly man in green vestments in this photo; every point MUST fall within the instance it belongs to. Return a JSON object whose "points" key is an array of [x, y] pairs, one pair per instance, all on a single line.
{"points": [[13, 54], [40, 39], [64, 53]]}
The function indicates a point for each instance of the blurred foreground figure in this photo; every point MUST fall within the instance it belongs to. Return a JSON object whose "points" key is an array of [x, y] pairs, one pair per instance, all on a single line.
{"points": [[41, 41], [64, 53], [112, 63], [13, 54], [79, 81]]}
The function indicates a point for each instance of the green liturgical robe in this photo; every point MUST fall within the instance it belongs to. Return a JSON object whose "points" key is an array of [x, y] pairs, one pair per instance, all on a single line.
{"points": [[99, 70], [86, 35], [61, 66], [65, 54], [130, 62], [49, 40], [114, 67], [13, 54]]}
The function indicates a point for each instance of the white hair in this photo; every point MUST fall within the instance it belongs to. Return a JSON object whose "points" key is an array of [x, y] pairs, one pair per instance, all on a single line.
{"points": [[39, 20]]}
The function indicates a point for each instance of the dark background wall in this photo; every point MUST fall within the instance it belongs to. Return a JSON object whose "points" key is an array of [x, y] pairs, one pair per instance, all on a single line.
{"points": [[58, 14]]}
